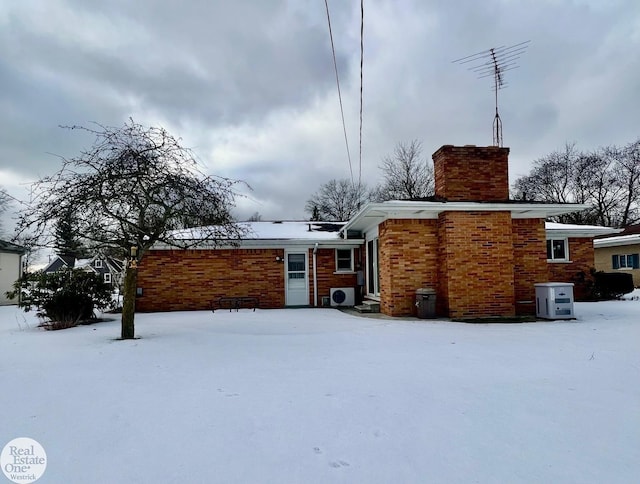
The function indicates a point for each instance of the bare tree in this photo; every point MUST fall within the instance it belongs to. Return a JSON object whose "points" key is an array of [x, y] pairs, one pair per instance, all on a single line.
{"points": [[607, 180], [628, 175], [256, 217], [5, 199], [407, 174], [135, 187], [336, 201]]}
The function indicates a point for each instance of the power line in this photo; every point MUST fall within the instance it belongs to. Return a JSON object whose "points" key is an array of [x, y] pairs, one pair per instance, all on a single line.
{"points": [[335, 66], [361, 64]]}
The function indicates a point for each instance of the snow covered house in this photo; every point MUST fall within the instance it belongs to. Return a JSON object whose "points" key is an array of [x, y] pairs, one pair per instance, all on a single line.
{"points": [[10, 268], [478, 250]]}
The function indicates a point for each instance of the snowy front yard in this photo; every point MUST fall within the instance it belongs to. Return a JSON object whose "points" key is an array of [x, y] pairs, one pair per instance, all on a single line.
{"points": [[319, 396]]}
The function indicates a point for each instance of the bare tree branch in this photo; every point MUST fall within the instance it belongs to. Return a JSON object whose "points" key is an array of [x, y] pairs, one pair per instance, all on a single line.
{"points": [[407, 175], [608, 180], [135, 186], [337, 201]]}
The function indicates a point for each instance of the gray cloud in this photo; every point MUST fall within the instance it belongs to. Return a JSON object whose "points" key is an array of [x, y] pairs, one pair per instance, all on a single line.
{"points": [[250, 85]]}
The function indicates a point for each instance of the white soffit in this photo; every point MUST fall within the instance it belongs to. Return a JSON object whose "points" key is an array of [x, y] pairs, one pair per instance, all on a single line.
{"points": [[376, 213]]}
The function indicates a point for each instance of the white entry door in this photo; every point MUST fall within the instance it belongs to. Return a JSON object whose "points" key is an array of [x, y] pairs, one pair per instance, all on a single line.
{"points": [[296, 279]]}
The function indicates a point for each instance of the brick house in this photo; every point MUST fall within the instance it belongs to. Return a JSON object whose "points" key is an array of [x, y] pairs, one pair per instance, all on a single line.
{"points": [[481, 252], [280, 263]]}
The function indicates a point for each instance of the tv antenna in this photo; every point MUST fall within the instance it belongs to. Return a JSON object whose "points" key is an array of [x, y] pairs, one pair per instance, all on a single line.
{"points": [[494, 63]]}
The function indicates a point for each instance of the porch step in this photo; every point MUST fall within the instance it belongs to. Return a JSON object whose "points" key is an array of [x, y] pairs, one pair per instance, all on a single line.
{"points": [[368, 307]]}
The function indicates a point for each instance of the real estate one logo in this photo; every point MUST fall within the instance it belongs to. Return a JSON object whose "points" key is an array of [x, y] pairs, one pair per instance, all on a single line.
{"points": [[23, 460]]}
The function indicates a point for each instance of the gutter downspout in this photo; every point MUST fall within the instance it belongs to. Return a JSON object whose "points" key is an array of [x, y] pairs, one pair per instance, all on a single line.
{"points": [[315, 277]]}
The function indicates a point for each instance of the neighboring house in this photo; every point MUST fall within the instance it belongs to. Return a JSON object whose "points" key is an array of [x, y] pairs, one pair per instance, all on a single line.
{"points": [[10, 269], [58, 263], [111, 269], [620, 253], [481, 252]]}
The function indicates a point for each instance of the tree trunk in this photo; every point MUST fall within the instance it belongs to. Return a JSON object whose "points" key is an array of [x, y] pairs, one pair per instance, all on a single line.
{"points": [[129, 302]]}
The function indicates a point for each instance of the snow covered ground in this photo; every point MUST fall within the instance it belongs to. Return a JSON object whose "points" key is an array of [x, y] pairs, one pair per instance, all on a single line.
{"points": [[320, 396]]}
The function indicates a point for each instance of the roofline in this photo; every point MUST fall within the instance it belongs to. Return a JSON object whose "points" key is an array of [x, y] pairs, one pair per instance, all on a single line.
{"points": [[376, 213], [587, 231], [9, 248], [632, 239], [272, 244]]}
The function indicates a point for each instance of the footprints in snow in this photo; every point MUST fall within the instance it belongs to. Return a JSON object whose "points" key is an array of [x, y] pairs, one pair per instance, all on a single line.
{"points": [[220, 390], [335, 464]]}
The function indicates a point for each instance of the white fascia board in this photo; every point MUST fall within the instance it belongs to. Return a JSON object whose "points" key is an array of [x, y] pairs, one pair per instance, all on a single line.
{"points": [[622, 240], [284, 243], [275, 244], [578, 232], [376, 213]]}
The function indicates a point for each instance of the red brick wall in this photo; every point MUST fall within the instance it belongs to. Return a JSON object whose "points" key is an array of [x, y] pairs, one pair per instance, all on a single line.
{"points": [[326, 276], [408, 261], [530, 262], [477, 260], [471, 173], [179, 280], [578, 271]]}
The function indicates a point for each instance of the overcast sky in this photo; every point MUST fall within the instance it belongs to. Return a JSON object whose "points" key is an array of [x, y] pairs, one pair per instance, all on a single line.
{"points": [[249, 85]]}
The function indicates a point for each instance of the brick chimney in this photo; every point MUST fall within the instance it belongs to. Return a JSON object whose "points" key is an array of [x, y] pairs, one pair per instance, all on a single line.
{"points": [[471, 173]]}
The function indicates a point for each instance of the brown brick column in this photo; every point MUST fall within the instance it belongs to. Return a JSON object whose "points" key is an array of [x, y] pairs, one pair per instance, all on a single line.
{"points": [[476, 266], [408, 261]]}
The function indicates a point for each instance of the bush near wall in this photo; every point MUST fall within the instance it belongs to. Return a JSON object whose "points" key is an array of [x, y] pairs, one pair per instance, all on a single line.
{"points": [[612, 285]]}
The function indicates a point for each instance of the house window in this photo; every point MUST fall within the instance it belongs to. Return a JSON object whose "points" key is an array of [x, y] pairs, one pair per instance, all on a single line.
{"points": [[344, 260], [625, 261], [557, 250], [97, 264], [107, 278], [373, 276]]}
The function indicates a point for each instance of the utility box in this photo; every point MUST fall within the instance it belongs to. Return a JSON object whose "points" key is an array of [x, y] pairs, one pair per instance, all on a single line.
{"points": [[554, 300], [426, 303]]}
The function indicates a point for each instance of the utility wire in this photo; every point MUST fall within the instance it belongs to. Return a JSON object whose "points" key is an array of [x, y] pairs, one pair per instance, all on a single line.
{"points": [[335, 66], [361, 63]]}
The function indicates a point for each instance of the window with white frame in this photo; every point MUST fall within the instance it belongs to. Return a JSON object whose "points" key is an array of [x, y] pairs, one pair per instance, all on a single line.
{"points": [[557, 250], [344, 260], [107, 278], [97, 264], [625, 261]]}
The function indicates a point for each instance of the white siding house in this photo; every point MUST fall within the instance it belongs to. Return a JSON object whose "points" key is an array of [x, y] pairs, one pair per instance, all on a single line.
{"points": [[10, 269]]}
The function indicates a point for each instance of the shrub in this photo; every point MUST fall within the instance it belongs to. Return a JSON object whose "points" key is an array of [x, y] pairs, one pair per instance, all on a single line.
{"points": [[612, 285], [63, 298]]}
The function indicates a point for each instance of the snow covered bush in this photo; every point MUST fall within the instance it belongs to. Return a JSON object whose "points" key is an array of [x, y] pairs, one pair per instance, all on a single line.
{"points": [[63, 299]]}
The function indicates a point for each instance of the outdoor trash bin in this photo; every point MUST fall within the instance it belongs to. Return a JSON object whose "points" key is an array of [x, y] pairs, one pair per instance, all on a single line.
{"points": [[426, 303]]}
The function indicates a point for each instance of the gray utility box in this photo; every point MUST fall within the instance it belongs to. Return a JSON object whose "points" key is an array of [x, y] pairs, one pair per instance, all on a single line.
{"points": [[554, 300], [426, 303]]}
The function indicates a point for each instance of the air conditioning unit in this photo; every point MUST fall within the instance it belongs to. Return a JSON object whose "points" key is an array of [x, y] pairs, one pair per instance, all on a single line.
{"points": [[342, 296]]}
